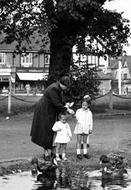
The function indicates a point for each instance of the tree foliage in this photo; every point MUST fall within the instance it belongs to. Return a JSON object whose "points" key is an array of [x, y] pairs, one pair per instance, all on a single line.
{"points": [[84, 81], [65, 20], [67, 23]]}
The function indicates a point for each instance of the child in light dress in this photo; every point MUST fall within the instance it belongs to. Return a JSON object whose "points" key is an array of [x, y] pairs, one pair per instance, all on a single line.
{"points": [[63, 136], [83, 128]]}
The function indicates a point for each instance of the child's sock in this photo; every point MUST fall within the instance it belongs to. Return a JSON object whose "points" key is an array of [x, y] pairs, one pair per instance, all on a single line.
{"points": [[84, 151], [78, 151], [57, 157], [64, 156]]}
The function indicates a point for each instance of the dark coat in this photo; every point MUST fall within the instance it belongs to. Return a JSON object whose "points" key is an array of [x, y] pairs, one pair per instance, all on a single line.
{"points": [[45, 114]]}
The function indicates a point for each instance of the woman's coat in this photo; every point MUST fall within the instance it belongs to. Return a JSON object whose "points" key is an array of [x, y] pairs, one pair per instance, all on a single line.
{"points": [[45, 115]]}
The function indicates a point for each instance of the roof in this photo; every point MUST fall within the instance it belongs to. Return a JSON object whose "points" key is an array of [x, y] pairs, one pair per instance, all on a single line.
{"points": [[125, 59], [35, 45], [103, 76]]}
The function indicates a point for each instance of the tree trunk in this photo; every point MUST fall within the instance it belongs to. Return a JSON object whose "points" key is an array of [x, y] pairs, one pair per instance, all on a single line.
{"points": [[61, 54]]}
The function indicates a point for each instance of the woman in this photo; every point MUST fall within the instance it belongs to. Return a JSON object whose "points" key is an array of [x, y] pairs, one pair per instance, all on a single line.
{"points": [[45, 115]]}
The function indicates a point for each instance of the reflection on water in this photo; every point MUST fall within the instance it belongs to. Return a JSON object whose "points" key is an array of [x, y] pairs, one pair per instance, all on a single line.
{"points": [[63, 178]]}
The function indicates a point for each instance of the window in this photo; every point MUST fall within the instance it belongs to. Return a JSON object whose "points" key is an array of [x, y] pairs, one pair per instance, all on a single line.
{"points": [[26, 60], [47, 59], [2, 58]]}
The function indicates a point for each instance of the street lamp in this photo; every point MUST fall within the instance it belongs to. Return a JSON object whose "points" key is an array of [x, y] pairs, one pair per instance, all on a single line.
{"points": [[119, 73]]}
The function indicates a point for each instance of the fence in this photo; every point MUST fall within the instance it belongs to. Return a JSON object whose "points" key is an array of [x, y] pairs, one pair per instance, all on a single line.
{"points": [[10, 104], [13, 104], [112, 101]]}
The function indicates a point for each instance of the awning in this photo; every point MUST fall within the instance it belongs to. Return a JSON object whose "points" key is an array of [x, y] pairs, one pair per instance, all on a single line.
{"points": [[5, 74], [31, 76]]}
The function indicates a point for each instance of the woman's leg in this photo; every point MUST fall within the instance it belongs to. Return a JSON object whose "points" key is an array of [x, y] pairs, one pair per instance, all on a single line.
{"points": [[78, 145]]}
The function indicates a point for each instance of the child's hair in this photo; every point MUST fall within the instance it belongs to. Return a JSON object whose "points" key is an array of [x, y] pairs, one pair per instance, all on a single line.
{"points": [[87, 99], [60, 114]]}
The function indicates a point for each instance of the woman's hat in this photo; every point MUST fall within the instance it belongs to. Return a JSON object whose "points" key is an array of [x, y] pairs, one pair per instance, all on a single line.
{"points": [[65, 80]]}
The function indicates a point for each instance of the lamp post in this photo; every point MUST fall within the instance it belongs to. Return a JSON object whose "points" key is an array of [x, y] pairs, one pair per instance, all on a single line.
{"points": [[9, 96], [119, 74]]}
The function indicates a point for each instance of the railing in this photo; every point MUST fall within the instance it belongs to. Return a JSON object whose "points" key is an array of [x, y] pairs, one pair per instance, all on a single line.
{"points": [[109, 96]]}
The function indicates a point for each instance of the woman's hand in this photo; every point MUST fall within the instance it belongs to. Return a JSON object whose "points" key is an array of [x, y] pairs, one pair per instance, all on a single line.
{"points": [[70, 111]]}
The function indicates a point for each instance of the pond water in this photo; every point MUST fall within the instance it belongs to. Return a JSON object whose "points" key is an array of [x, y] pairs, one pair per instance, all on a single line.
{"points": [[63, 179]]}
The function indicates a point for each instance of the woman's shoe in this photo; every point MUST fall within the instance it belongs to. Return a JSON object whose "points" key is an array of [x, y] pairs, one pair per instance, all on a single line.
{"points": [[79, 156]]}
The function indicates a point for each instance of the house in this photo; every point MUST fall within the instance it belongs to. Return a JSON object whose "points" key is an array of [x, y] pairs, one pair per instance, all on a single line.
{"points": [[105, 82], [18, 69], [100, 63], [93, 60], [125, 73]]}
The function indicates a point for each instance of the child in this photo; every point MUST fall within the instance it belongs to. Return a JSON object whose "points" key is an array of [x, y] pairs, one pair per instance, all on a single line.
{"points": [[63, 136], [83, 127]]}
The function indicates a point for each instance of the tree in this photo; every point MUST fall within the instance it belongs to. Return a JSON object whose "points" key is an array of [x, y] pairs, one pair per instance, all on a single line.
{"points": [[67, 23], [84, 80]]}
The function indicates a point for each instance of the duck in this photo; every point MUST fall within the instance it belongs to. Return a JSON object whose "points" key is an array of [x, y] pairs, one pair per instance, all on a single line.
{"points": [[38, 167], [116, 174], [113, 167]]}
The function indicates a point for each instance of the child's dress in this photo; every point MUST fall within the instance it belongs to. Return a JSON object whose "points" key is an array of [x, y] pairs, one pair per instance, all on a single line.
{"points": [[84, 121], [63, 134]]}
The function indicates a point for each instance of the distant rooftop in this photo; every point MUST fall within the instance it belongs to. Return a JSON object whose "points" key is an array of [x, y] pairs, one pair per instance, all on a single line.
{"points": [[107, 76], [35, 45]]}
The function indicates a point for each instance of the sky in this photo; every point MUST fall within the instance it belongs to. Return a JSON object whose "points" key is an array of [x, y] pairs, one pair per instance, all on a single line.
{"points": [[121, 6]]}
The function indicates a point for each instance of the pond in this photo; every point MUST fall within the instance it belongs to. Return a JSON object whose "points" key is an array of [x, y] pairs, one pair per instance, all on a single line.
{"points": [[63, 179]]}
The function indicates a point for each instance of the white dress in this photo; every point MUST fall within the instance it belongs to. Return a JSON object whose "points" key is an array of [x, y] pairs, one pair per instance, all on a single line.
{"points": [[63, 134], [84, 121]]}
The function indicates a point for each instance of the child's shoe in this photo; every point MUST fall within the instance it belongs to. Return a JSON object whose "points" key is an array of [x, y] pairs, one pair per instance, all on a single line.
{"points": [[79, 156], [60, 156], [87, 156]]}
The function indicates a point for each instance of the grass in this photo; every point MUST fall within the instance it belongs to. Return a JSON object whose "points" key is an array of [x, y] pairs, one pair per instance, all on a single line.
{"points": [[101, 105], [20, 104]]}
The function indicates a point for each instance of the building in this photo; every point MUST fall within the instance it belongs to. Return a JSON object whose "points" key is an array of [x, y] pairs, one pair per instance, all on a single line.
{"points": [[18, 69], [124, 72], [93, 60], [105, 82]]}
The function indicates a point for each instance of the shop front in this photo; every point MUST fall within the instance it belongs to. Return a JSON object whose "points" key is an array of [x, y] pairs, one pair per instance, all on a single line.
{"points": [[7, 80], [30, 81]]}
